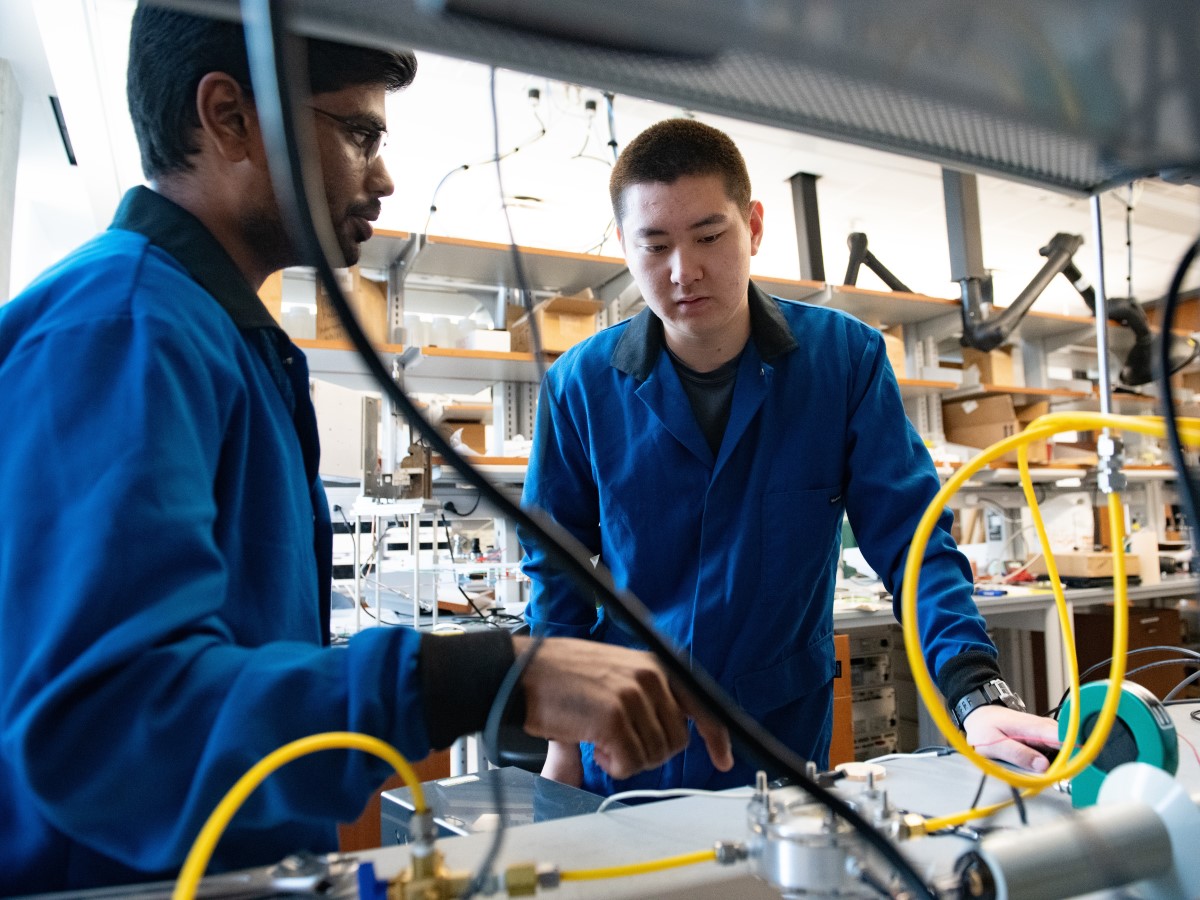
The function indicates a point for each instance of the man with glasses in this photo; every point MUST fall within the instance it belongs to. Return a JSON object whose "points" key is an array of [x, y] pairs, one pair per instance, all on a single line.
{"points": [[165, 555]]}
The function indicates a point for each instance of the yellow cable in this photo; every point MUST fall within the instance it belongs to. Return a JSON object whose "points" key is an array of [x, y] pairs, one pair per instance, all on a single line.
{"points": [[1065, 623], [642, 868], [1041, 428], [976, 812], [214, 827]]}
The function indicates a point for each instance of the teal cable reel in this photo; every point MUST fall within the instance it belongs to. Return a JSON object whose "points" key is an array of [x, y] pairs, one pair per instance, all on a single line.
{"points": [[1142, 732]]}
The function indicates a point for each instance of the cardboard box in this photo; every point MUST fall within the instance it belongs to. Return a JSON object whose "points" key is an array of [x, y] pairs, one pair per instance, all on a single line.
{"points": [[893, 340], [368, 300], [992, 367], [271, 295], [562, 323], [513, 312], [1086, 565], [474, 434], [984, 421]]}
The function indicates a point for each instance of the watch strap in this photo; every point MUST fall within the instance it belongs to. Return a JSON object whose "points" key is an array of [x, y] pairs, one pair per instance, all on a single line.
{"points": [[995, 691]]}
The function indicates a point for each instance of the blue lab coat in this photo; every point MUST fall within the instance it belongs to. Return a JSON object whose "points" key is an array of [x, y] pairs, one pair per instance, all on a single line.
{"points": [[735, 554], [164, 575]]}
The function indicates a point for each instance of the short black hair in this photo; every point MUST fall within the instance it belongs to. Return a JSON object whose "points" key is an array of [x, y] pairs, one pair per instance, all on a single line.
{"points": [[170, 52], [673, 148]]}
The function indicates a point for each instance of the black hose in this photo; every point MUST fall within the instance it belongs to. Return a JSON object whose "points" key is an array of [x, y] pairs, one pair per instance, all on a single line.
{"points": [[278, 68]]}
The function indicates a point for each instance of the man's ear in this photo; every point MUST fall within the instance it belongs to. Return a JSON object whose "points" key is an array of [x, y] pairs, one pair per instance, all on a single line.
{"points": [[756, 226], [228, 122]]}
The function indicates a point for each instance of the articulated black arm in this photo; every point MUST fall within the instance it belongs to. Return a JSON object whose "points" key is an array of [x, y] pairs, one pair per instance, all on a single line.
{"points": [[859, 254], [984, 333]]}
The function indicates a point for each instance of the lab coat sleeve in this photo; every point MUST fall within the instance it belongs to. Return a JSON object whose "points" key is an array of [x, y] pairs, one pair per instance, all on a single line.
{"points": [[559, 482], [890, 480], [130, 707]]}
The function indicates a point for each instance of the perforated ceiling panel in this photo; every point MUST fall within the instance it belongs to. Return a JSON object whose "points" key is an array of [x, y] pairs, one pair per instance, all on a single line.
{"points": [[1075, 94]]}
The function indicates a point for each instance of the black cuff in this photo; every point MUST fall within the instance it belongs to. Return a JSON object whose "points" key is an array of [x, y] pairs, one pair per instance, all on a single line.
{"points": [[966, 672], [460, 675]]}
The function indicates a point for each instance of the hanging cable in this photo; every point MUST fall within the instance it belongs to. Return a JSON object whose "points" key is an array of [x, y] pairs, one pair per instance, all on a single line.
{"points": [[494, 159], [278, 70], [1129, 244], [609, 103], [518, 265], [1189, 490]]}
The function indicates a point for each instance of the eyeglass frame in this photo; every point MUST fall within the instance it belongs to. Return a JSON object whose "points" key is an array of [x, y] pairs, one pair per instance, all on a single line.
{"points": [[363, 135]]}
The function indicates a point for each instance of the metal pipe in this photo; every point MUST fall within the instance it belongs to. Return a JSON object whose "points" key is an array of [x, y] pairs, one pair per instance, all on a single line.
{"points": [[1102, 847], [1101, 310]]}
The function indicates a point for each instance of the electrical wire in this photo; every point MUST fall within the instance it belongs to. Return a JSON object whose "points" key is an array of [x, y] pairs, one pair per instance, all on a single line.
{"points": [[491, 744], [206, 841], [1189, 489], [642, 868], [453, 510], [648, 794], [1018, 800], [278, 70], [979, 793], [1191, 679], [518, 265], [494, 159], [268, 47], [610, 107], [450, 547], [1191, 658], [1195, 752]]}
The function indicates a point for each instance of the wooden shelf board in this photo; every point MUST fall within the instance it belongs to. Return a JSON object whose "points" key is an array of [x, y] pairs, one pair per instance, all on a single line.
{"points": [[790, 289], [969, 391], [914, 387]]}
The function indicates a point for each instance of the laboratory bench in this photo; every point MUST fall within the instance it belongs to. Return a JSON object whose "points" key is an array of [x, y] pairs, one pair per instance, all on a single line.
{"points": [[1024, 623], [930, 784]]}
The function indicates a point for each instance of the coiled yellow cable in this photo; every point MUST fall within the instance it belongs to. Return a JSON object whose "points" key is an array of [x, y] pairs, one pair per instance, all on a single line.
{"points": [[1063, 766], [642, 868], [214, 827]]}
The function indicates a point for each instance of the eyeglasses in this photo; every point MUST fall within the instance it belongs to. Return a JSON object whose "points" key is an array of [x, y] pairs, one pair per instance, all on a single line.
{"points": [[369, 139]]}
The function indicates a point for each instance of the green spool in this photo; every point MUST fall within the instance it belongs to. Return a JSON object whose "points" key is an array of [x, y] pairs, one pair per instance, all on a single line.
{"points": [[1142, 732]]}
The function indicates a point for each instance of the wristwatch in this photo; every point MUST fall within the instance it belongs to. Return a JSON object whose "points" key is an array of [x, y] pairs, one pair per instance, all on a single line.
{"points": [[994, 691]]}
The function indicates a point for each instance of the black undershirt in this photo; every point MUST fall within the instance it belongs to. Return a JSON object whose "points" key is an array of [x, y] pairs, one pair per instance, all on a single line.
{"points": [[711, 396]]}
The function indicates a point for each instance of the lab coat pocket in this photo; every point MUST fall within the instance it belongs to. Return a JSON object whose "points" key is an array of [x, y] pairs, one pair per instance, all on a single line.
{"points": [[796, 675], [801, 533]]}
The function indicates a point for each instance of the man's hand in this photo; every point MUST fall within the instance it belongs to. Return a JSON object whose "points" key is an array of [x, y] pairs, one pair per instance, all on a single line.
{"points": [[618, 699], [1006, 734]]}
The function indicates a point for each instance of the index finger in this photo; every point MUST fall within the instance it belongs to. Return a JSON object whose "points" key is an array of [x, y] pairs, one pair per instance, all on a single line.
{"points": [[715, 735]]}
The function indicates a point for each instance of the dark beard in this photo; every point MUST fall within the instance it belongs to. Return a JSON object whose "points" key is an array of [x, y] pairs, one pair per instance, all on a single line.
{"points": [[263, 230]]}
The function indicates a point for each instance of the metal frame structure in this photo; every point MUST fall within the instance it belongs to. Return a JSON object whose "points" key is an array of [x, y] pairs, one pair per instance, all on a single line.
{"points": [[1078, 95]]}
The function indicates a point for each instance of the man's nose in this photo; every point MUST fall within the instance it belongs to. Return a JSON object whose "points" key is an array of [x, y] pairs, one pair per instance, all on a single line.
{"points": [[379, 180], [685, 268]]}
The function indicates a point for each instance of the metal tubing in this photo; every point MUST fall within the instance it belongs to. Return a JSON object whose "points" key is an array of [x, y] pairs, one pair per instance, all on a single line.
{"points": [[1101, 309], [1102, 847]]}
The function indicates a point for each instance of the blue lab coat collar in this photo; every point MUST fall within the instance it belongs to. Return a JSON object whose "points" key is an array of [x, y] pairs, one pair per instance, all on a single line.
{"points": [[642, 343]]}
